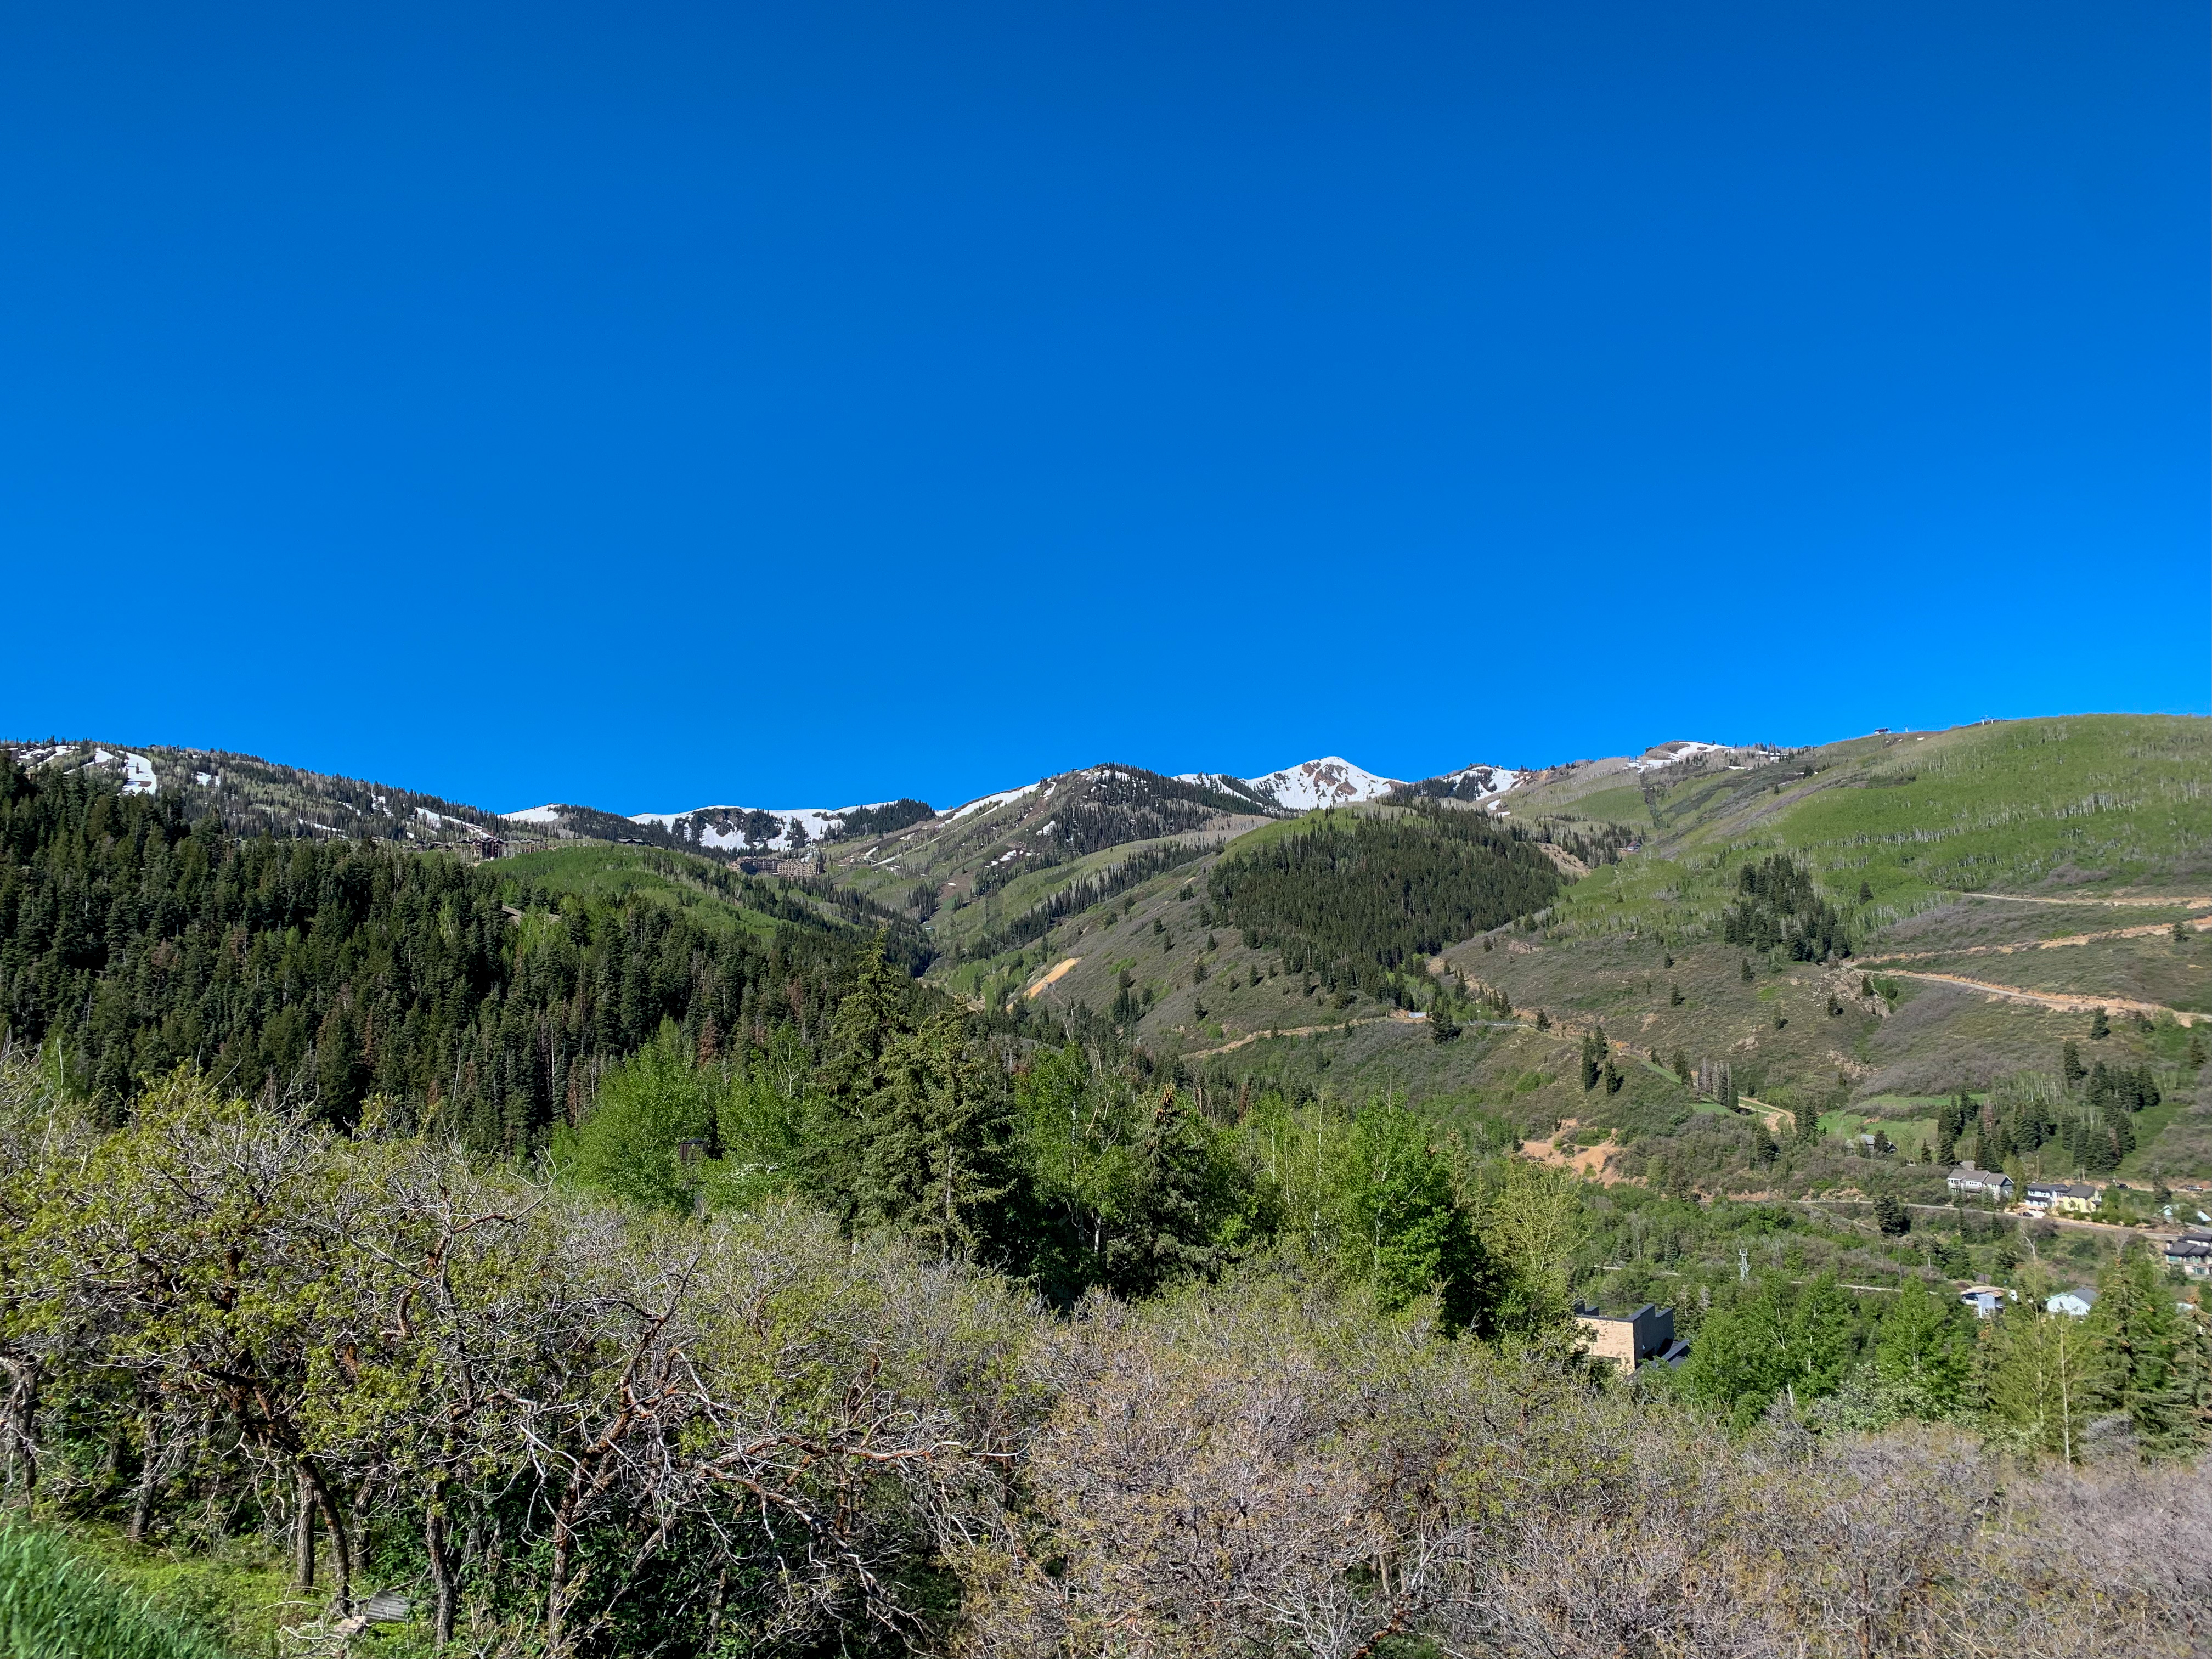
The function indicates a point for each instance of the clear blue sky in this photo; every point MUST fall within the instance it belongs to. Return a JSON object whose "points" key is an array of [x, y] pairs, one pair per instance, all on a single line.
{"points": [[651, 405]]}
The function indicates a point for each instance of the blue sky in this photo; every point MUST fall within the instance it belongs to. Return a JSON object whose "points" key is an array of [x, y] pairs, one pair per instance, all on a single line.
{"points": [[653, 406]]}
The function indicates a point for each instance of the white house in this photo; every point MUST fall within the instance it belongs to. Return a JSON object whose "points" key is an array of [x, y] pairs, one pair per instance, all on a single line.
{"points": [[2076, 1302]]}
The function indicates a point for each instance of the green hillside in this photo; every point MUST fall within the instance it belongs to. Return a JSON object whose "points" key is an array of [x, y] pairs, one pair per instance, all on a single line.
{"points": [[2102, 820]]}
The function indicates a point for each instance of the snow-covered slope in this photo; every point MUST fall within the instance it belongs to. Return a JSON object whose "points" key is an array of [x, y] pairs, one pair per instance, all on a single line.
{"points": [[1480, 782], [726, 828], [1330, 781], [137, 770], [1666, 754]]}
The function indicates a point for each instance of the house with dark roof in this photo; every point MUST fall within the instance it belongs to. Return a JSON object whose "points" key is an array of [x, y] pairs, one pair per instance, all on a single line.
{"points": [[1967, 1181], [1626, 1341], [2191, 1253], [2075, 1304], [2067, 1197]]}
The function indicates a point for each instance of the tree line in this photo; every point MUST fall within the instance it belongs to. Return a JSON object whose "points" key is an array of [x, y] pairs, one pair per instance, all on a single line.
{"points": [[1780, 908], [321, 972], [1347, 893]]}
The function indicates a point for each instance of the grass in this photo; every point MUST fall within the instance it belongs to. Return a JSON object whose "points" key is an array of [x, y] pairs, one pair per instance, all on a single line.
{"points": [[615, 873], [55, 1602]]}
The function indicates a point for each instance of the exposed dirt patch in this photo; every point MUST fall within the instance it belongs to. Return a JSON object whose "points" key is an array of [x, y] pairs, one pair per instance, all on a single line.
{"points": [[1591, 1163], [1058, 970], [2202, 924]]}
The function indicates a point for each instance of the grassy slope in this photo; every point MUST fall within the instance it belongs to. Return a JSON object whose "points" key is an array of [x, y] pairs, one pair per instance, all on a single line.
{"points": [[2080, 807], [613, 874]]}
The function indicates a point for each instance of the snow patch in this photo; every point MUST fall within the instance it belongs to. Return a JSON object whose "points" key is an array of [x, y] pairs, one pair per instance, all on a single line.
{"points": [[722, 828], [1492, 780], [989, 801], [530, 814], [1666, 754], [138, 775], [1331, 781]]}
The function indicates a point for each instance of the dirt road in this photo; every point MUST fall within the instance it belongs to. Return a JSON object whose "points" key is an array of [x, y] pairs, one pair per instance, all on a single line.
{"points": [[2066, 1001], [2202, 924]]}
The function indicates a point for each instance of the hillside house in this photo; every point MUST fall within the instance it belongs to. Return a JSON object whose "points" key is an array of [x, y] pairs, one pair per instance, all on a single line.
{"points": [[2191, 1253], [1986, 1300], [1967, 1181], [2067, 1198], [2078, 1198], [2075, 1304], [1626, 1342]]}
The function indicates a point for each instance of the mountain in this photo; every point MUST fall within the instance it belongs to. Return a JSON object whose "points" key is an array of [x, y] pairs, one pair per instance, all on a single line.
{"points": [[1971, 894], [253, 796], [1330, 781], [728, 830]]}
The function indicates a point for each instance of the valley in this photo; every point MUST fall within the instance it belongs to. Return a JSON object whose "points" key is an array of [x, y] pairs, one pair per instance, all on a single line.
{"points": [[420, 1181]]}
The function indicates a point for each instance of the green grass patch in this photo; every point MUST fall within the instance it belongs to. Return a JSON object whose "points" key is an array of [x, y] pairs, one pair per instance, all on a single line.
{"points": [[57, 1602], [611, 874]]}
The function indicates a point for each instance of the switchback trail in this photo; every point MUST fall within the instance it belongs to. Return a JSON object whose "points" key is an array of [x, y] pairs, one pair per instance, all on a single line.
{"points": [[2154, 900], [2069, 1001], [2202, 924]]}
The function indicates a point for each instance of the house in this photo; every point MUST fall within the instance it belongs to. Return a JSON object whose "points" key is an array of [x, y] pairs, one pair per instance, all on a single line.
{"points": [[2192, 1254], [1627, 1341], [2076, 1302], [1967, 1181], [2078, 1199], [1986, 1300], [2065, 1197]]}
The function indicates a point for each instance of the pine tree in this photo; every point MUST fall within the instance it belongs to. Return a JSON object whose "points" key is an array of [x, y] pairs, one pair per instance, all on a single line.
{"points": [[2100, 1027], [1675, 997], [1922, 1356], [2070, 1064], [1746, 970], [2136, 1368]]}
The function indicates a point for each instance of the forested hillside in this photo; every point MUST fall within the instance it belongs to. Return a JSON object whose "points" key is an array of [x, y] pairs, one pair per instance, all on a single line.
{"points": [[134, 938], [619, 1252], [1379, 891]]}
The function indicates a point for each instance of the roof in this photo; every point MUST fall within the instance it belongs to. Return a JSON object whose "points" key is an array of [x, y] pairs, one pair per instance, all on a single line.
{"points": [[1966, 1175], [2084, 1294]]}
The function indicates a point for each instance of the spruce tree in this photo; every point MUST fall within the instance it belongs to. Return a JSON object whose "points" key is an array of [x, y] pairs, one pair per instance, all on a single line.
{"points": [[2100, 1027], [2070, 1064], [2137, 1365], [1922, 1356]]}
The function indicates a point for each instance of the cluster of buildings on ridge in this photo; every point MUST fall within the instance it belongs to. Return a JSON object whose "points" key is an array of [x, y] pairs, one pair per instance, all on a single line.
{"points": [[2191, 1252]]}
